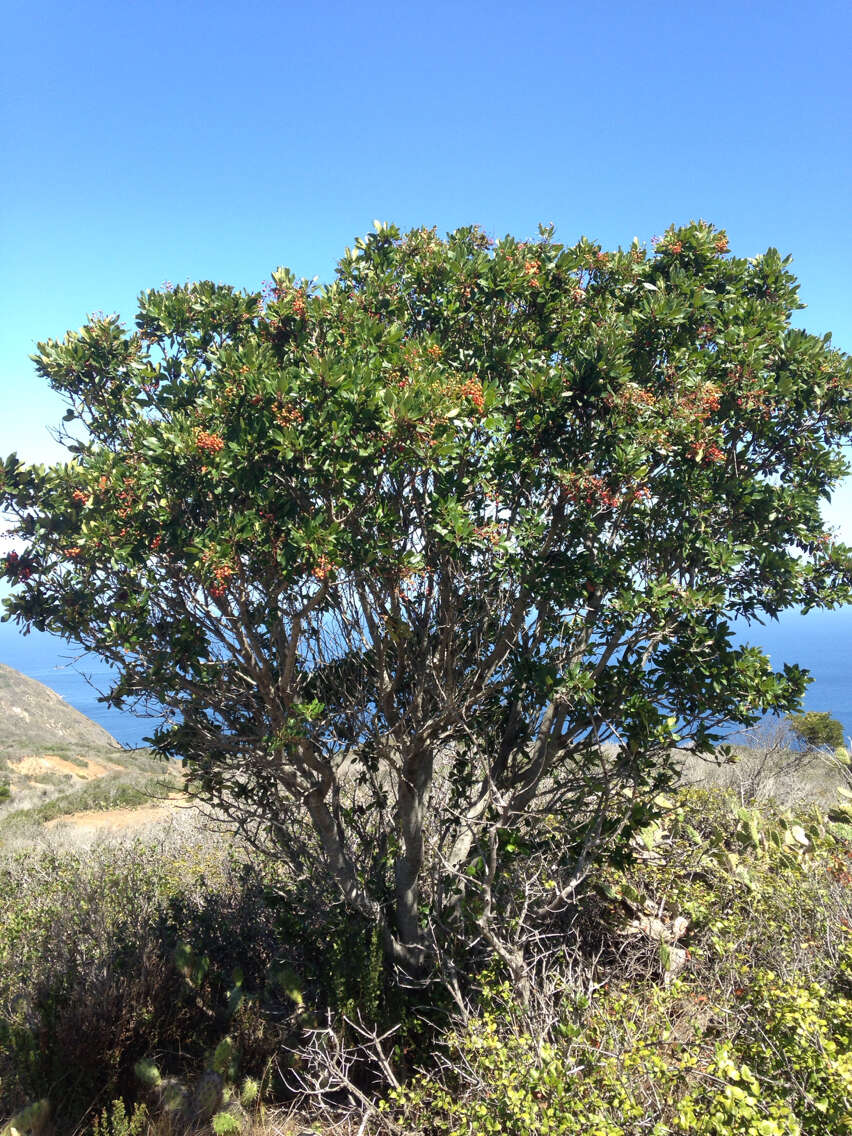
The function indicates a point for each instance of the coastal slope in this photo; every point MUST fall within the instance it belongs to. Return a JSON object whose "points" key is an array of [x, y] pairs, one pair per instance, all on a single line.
{"points": [[35, 718]]}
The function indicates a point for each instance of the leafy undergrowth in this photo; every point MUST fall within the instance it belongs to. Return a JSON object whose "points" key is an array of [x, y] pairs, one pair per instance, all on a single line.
{"points": [[704, 989], [721, 1006], [125, 969]]}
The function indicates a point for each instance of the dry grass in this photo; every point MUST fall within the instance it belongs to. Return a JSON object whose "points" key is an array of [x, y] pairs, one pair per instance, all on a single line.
{"points": [[769, 768]]}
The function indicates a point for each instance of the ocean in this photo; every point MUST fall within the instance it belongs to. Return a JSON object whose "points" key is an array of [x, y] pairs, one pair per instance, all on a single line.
{"points": [[78, 679], [820, 641]]}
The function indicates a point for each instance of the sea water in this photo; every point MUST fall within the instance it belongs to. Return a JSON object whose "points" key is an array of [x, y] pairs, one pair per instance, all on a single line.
{"points": [[820, 641], [80, 679]]}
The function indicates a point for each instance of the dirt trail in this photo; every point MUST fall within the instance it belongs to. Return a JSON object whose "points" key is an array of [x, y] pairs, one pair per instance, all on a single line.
{"points": [[118, 820], [50, 763]]}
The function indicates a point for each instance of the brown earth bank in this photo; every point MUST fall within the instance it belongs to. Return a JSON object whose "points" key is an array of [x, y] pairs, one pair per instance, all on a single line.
{"points": [[83, 768]]}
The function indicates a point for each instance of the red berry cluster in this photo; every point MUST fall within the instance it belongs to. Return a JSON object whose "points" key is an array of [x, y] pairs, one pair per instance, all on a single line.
{"points": [[287, 415], [491, 533], [754, 400], [221, 576], [699, 404], [209, 443], [710, 401], [323, 568], [531, 270], [80, 497], [17, 567], [632, 396], [590, 489], [706, 453], [127, 498], [472, 389]]}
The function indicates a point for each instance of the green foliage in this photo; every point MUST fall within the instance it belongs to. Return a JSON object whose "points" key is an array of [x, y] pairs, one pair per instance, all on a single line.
{"points": [[115, 1121], [147, 1073], [753, 1037], [787, 1071], [817, 730], [519, 486], [225, 1059], [333, 960], [115, 961], [5, 790], [226, 1124], [705, 990], [249, 1092], [758, 888], [803, 1034], [89, 945]]}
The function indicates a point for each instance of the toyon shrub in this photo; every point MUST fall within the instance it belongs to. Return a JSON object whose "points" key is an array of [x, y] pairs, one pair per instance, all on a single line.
{"points": [[435, 565]]}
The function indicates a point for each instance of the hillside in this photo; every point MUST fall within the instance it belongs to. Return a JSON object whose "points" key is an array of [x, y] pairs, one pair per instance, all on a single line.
{"points": [[59, 768], [35, 718]]}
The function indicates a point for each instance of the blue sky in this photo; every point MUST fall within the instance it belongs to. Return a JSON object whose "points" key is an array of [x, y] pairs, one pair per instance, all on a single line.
{"points": [[183, 140]]}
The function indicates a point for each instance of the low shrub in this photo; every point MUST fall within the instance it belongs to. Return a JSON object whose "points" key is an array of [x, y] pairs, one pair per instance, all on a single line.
{"points": [[110, 955], [702, 988], [717, 1003], [121, 954], [115, 1120], [777, 1064]]}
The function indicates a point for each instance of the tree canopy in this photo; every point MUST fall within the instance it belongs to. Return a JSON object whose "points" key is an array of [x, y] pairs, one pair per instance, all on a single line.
{"points": [[436, 564], [816, 729]]}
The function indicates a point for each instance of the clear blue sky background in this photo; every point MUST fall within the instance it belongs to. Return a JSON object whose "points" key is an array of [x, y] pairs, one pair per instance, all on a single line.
{"points": [[188, 139]]}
